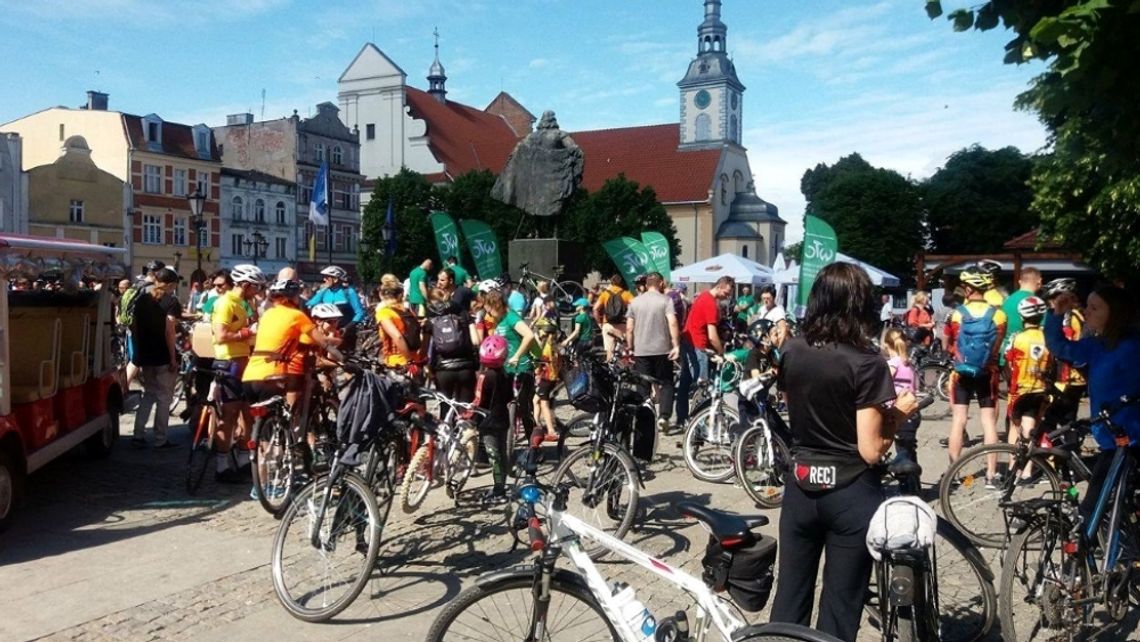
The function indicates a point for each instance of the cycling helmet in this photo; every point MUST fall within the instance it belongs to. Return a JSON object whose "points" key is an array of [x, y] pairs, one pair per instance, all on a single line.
{"points": [[976, 278], [335, 272], [1031, 307], [1059, 286], [325, 311], [246, 273], [487, 285], [544, 325], [285, 288], [493, 351], [760, 331], [581, 302], [989, 266]]}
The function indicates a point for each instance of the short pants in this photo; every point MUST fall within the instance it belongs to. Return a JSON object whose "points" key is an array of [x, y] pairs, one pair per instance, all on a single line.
{"points": [[232, 388], [983, 387]]}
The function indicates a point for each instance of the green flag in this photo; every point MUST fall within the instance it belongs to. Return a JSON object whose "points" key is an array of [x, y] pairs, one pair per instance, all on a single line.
{"points": [[630, 256], [819, 248], [446, 235], [484, 248], [658, 248]]}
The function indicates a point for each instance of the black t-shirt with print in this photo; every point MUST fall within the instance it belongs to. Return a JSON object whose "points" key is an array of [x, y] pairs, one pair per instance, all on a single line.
{"points": [[149, 333], [825, 387]]}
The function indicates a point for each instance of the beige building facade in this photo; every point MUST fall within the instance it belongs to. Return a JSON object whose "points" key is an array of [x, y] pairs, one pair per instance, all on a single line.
{"points": [[72, 198]]}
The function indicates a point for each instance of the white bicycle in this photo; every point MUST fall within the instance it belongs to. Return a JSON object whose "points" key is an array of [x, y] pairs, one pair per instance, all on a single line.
{"points": [[541, 602]]}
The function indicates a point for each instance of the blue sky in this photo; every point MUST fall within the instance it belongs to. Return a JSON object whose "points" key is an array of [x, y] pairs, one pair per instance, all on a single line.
{"points": [[824, 78]]}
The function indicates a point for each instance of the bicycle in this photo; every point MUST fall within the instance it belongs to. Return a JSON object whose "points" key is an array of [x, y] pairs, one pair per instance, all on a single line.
{"points": [[202, 446], [540, 601], [761, 457], [1062, 565], [565, 293], [447, 452], [711, 433]]}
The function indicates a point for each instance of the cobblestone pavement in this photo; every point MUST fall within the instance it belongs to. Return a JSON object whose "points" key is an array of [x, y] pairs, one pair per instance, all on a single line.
{"points": [[116, 550]]}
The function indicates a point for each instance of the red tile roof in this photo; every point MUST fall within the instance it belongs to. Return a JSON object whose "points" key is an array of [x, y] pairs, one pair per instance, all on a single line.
{"points": [[649, 156], [177, 139], [462, 138], [1028, 241]]}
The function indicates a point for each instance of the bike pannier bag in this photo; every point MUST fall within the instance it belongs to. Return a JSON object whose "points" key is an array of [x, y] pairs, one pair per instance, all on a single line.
{"points": [[746, 571]]}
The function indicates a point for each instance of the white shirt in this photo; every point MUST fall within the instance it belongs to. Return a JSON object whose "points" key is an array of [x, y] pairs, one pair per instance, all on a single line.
{"points": [[774, 314], [887, 312]]}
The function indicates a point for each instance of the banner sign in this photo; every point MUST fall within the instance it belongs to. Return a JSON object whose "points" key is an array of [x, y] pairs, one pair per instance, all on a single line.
{"points": [[631, 257], [446, 235], [484, 248], [819, 248], [658, 247]]}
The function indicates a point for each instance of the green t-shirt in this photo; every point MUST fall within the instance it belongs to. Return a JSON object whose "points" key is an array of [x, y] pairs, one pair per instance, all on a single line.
{"points": [[586, 334], [415, 278], [208, 307], [461, 274], [506, 329], [749, 303], [1013, 323]]}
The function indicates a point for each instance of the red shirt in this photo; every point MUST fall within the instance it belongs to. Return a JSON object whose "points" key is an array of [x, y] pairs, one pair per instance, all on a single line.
{"points": [[705, 312]]}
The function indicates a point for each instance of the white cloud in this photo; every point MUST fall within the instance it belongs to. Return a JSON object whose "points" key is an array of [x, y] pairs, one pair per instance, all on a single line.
{"points": [[538, 63]]}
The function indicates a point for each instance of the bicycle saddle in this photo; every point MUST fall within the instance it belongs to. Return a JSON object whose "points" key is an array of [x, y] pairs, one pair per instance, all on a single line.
{"points": [[727, 528], [904, 468]]}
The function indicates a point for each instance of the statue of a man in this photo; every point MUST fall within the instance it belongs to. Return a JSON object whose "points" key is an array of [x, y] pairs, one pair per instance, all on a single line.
{"points": [[542, 172]]}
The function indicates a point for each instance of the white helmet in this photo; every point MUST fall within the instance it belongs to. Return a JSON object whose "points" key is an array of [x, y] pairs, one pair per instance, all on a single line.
{"points": [[325, 311], [335, 272], [246, 273], [488, 285]]}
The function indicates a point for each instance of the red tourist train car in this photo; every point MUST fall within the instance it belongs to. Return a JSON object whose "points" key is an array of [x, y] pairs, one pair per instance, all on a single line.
{"points": [[60, 382]]}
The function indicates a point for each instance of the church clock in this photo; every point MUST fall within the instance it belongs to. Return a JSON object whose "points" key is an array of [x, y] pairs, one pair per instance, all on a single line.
{"points": [[702, 99]]}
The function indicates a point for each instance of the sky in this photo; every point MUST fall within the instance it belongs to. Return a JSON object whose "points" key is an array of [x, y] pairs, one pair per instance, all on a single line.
{"points": [[824, 78]]}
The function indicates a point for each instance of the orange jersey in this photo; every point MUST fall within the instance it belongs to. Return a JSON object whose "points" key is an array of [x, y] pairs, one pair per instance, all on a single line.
{"points": [[277, 348], [1067, 375]]}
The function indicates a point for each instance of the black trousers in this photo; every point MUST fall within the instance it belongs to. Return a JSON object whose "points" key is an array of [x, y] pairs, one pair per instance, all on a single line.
{"points": [[832, 522], [660, 368], [456, 384]]}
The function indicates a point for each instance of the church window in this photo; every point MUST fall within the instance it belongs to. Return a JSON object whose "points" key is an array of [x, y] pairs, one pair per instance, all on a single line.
{"points": [[737, 182], [733, 130], [704, 127], [370, 131], [723, 189], [744, 251], [337, 155]]}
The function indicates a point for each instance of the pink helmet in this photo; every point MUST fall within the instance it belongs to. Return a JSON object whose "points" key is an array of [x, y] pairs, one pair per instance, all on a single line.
{"points": [[493, 351]]}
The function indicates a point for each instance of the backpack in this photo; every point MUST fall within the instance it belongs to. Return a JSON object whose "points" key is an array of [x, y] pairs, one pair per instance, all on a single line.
{"points": [[975, 343], [614, 308], [127, 305], [450, 338], [410, 329]]}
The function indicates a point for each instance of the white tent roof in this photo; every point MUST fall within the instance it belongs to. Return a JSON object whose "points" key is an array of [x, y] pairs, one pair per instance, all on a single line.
{"points": [[878, 277], [710, 270]]}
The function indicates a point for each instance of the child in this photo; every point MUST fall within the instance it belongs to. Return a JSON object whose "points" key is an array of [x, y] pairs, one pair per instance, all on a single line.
{"points": [[582, 336], [1029, 365], [493, 393], [548, 372], [538, 306], [895, 348]]}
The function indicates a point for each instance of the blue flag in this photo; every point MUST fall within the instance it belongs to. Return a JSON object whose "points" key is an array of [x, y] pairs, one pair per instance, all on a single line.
{"points": [[319, 201], [390, 226]]}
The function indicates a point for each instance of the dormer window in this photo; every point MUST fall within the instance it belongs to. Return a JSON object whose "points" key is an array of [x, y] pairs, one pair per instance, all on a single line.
{"points": [[320, 150], [152, 131], [202, 136]]}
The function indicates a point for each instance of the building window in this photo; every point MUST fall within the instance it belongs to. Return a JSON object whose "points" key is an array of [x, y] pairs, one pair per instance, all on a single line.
{"points": [[337, 155], [306, 195], [152, 179], [733, 134], [154, 132], [151, 230], [259, 211], [704, 127], [350, 239], [237, 208], [236, 241], [75, 211], [280, 242], [180, 231], [180, 182], [320, 149], [738, 182], [369, 131], [280, 211], [204, 183], [744, 251], [723, 189]]}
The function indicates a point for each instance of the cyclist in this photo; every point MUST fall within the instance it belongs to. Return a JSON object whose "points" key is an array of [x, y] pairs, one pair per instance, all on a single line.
{"points": [[338, 292], [1030, 366], [610, 310], [547, 374], [991, 268], [451, 350], [493, 395], [417, 288], [1068, 378], [462, 277], [774, 313], [395, 324], [520, 365], [232, 335], [700, 333], [582, 336]]}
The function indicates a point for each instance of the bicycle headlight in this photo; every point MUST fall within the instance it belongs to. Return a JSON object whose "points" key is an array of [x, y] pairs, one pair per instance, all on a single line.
{"points": [[530, 494]]}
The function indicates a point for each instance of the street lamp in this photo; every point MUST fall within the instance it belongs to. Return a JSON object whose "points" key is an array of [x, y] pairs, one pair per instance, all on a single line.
{"points": [[256, 246], [386, 234], [197, 201]]}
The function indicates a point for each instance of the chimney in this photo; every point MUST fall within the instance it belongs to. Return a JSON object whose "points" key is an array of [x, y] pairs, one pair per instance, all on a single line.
{"points": [[97, 101], [239, 119]]}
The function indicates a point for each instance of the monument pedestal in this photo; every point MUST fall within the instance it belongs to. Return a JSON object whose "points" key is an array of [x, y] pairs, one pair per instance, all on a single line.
{"points": [[543, 256]]}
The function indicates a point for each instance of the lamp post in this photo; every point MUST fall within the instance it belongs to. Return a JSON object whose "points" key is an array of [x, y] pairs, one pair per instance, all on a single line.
{"points": [[256, 246], [197, 201], [386, 233]]}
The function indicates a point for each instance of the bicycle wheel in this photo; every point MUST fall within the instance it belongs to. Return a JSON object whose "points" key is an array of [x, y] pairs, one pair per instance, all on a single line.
{"points": [[708, 443], [180, 392], [504, 609], [976, 510], [418, 478], [461, 458], [581, 426], [380, 474], [201, 449], [762, 474], [934, 379], [314, 582], [604, 490], [568, 292], [1038, 583], [781, 632], [279, 455]]}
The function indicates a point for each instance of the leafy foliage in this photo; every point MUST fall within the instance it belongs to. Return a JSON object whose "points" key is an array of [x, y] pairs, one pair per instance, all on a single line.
{"points": [[876, 213], [412, 197], [979, 200], [1088, 192]]}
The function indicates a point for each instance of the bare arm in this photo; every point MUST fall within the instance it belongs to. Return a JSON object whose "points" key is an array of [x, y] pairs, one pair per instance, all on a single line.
{"points": [[629, 332], [527, 338], [674, 336], [714, 338], [395, 335]]}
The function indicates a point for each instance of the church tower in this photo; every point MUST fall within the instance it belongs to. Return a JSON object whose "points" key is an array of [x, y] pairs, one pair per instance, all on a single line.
{"points": [[711, 94], [437, 78]]}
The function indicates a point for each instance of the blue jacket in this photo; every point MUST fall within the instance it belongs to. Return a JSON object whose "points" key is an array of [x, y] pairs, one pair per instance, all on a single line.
{"points": [[340, 296], [1112, 373]]}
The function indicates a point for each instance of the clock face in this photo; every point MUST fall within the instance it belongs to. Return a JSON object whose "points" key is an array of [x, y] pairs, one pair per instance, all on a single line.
{"points": [[734, 101], [702, 99]]}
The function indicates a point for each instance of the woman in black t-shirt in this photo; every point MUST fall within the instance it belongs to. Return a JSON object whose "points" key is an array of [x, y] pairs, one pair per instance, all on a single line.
{"points": [[843, 411]]}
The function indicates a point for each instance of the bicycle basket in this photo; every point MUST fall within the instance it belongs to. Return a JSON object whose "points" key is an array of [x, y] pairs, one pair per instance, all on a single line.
{"points": [[901, 523], [745, 571], [583, 390]]}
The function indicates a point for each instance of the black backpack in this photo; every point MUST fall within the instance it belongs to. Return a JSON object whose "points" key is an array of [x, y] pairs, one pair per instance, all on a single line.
{"points": [[450, 338], [411, 331], [614, 308]]}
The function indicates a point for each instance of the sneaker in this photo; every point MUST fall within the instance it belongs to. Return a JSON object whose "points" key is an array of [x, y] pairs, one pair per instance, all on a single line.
{"points": [[494, 497], [993, 483], [663, 425]]}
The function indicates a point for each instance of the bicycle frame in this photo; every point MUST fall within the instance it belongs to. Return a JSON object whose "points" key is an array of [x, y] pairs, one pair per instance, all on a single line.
{"points": [[1119, 470]]}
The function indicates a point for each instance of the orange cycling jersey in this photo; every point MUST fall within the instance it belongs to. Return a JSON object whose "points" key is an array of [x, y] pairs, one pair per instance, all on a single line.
{"points": [[277, 349], [1030, 363], [1067, 375]]}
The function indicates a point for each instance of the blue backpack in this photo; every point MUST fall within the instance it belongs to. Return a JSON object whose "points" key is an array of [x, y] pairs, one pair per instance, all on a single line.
{"points": [[975, 344]]}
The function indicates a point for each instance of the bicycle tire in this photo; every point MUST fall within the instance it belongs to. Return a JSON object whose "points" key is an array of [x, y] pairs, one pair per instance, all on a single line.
{"points": [[419, 474], [282, 465], [748, 461], [600, 490], [201, 450], [934, 378], [581, 426], [696, 444], [449, 624], [986, 527], [461, 459], [1027, 540], [380, 474], [781, 632], [345, 519], [568, 293], [179, 394]]}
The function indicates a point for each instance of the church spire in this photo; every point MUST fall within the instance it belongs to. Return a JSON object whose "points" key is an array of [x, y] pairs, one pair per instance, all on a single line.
{"points": [[437, 78], [711, 93], [712, 34]]}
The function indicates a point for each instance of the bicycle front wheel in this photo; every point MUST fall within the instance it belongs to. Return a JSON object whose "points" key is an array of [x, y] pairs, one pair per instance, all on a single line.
{"points": [[781, 632], [762, 461], [418, 478], [567, 293], [934, 379], [505, 610], [461, 458], [708, 443], [323, 556], [974, 488], [604, 490]]}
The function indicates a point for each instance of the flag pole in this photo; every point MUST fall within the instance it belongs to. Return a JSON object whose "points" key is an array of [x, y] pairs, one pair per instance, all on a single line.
{"points": [[328, 199]]}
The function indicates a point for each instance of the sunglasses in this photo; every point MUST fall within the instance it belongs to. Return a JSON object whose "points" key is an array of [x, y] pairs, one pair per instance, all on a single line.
{"points": [[220, 285]]}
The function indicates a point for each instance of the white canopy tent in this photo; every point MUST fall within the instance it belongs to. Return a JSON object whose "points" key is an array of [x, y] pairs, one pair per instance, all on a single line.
{"points": [[878, 277], [744, 271]]}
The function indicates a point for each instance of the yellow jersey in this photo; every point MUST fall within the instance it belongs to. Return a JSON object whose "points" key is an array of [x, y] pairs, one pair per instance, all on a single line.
{"points": [[1029, 362], [277, 350], [229, 312], [388, 350], [993, 297]]}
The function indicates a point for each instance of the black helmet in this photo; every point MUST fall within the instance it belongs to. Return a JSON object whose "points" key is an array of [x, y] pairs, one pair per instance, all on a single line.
{"points": [[760, 331], [989, 266], [285, 288], [1058, 286]]}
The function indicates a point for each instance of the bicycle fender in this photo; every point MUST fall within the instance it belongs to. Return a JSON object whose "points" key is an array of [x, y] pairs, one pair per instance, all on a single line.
{"points": [[969, 551], [490, 579]]}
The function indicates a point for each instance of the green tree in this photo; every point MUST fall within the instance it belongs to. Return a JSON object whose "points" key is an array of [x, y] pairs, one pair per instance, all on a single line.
{"points": [[792, 251], [876, 213], [469, 196], [979, 200], [412, 197], [1087, 192]]}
